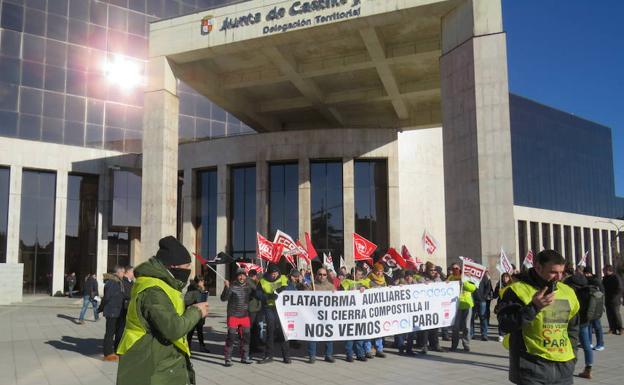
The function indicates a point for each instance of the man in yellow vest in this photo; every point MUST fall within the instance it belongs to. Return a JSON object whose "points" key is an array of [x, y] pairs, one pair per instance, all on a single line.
{"points": [[154, 349], [540, 315], [270, 285]]}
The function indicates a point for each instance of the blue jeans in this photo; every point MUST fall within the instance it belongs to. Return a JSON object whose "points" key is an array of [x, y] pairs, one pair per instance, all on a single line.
{"points": [[329, 349], [400, 339], [368, 345], [85, 304], [585, 337], [354, 346], [480, 310], [597, 327]]}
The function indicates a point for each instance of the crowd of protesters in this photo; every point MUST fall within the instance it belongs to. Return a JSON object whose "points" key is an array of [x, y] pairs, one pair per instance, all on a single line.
{"points": [[253, 323]]}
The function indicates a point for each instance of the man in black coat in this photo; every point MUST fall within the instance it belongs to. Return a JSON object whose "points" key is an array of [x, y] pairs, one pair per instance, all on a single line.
{"points": [[112, 306], [613, 299]]}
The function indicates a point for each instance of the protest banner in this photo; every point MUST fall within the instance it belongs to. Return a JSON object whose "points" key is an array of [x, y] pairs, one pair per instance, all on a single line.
{"points": [[503, 265], [290, 247], [528, 260], [374, 313], [472, 271]]}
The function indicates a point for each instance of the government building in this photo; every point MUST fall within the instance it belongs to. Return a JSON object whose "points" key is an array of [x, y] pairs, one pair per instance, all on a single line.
{"points": [[123, 121]]}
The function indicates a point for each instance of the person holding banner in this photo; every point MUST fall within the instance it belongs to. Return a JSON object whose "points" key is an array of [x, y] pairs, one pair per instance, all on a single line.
{"points": [[540, 314], [358, 283], [377, 279], [237, 294], [321, 283], [463, 312], [270, 285]]}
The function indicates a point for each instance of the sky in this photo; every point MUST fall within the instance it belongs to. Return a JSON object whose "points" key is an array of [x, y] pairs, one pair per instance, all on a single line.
{"points": [[569, 54]]}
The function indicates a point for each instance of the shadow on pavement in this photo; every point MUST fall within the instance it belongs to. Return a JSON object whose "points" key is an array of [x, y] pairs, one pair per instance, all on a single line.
{"points": [[71, 319], [84, 346]]}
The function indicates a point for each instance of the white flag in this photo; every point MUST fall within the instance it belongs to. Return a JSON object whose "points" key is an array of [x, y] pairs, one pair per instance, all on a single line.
{"points": [[429, 243], [528, 260], [583, 262], [342, 262], [328, 262], [503, 265]]}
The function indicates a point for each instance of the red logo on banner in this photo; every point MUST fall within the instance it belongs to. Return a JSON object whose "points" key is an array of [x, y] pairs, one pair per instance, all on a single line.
{"points": [[269, 251], [362, 248]]}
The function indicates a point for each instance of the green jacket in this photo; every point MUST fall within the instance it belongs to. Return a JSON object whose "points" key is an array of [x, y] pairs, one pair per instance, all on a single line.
{"points": [[465, 298], [153, 359]]}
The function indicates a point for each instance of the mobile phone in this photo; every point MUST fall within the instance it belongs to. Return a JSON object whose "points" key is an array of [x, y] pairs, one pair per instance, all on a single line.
{"points": [[552, 287]]}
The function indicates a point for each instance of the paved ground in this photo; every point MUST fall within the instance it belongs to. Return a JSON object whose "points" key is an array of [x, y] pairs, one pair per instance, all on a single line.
{"points": [[40, 343]]}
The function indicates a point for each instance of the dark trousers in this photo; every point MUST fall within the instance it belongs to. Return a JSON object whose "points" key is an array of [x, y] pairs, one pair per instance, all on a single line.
{"points": [[112, 336], [428, 337], [254, 338], [274, 329], [200, 333], [612, 306], [242, 335], [461, 327]]}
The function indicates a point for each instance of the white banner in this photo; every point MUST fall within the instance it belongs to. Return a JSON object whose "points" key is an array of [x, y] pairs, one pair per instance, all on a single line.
{"points": [[374, 313], [472, 271]]}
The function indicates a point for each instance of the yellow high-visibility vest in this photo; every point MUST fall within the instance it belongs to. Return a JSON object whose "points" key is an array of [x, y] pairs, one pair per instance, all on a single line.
{"points": [[134, 327], [547, 335], [269, 287]]}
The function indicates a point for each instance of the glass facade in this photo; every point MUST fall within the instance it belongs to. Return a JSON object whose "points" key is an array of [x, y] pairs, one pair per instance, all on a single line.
{"points": [[243, 212], [371, 202], [81, 226], [578, 244], [327, 208], [561, 162], [545, 236], [36, 246], [284, 199], [557, 239], [4, 211], [65, 67], [567, 242], [535, 241], [126, 210], [206, 220], [118, 249]]}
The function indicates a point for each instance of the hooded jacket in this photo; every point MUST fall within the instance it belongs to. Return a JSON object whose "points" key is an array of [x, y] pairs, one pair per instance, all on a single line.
{"points": [[113, 300], [512, 316], [153, 359]]}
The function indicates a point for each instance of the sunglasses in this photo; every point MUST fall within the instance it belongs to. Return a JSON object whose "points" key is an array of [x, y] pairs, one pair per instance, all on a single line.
{"points": [[322, 275]]}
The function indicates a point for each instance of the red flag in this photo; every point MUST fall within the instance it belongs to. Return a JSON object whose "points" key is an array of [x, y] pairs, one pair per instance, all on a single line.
{"points": [[302, 252], [201, 260], [397, 258], [410, 261], [362, 248], [269, 251], [312, 255], [250, 266]]}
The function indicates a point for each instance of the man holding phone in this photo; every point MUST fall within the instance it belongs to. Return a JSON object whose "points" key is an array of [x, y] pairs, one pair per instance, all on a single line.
{"points": [[540, 315]]}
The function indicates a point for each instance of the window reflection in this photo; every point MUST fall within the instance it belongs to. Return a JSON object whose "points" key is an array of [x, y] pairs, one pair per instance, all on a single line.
{"points": [[81, 226], [284, 199], [36, 245], [371, 202], [327, 208], [243, 212], [206, 218], [118, 249], [4, 210], [126, 210]]}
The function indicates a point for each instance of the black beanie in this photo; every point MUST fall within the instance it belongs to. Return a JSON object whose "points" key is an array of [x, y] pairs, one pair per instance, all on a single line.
{"points": [[273, 268], [172, 252]]}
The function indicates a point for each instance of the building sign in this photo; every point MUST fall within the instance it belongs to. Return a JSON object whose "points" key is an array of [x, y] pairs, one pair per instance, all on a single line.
{"points": [[295, 15]]}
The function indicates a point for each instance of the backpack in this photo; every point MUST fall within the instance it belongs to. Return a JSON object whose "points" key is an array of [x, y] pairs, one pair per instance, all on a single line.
{"points": [[596, 303]]}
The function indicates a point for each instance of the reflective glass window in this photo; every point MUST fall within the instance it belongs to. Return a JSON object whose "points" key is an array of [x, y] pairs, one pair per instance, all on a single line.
{"points": [[81, 235], [118, 249], [206, 215], [284, 199], [36, 246], [371, 202], [4, 211], [535, 241], [327, 207], [12, 16], [567, 242], [557, 239], [522, 240], [546, 236], [578, 244], [126, 210], [243, 212], [597, 250]]}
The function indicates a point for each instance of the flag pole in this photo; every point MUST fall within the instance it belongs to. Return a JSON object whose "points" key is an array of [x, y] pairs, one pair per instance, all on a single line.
{"points": [[215, 271]]}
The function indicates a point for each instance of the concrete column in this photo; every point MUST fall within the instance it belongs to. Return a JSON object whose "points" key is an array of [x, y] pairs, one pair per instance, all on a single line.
{"points": [[134, 237], [572, 251], [516, 260], [103, 224], [60, 228], [160, 157], [394, 204], [223, 208], [189, 233], [15, 207], [348, 207], [305, 209], [476, 133]]}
